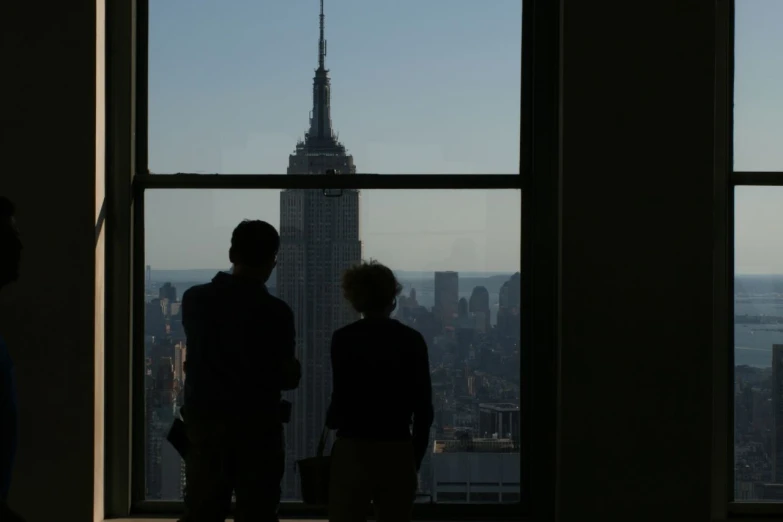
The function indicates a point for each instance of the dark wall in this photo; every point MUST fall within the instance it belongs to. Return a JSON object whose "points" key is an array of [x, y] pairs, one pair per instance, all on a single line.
{"points": [[48, 156], [637, 260]]}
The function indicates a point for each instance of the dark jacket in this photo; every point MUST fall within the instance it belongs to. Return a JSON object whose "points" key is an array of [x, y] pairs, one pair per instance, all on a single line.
{"points": [[240, 347], [381, 383]]}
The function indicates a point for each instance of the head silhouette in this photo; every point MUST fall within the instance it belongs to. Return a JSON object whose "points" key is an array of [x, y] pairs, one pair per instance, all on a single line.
{"points": [[371, 288], [254, 246], [10, 244]]}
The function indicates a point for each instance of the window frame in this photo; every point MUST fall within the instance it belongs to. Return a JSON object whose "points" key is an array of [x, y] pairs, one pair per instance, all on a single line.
{"points": [[728, 180], [128, 179]]}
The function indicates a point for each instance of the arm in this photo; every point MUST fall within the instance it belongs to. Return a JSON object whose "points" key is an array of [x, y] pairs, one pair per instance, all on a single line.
{"points": [[423, 413], [195, 328], [186, 309], [333, 413], [291, 368]]}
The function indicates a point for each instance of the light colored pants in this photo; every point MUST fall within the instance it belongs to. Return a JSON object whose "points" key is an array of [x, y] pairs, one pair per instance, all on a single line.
{"points": [[365, 471]]}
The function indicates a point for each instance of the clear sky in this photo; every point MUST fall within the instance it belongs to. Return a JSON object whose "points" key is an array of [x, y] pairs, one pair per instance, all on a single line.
{"points": [[758, 134], [418, 86]]}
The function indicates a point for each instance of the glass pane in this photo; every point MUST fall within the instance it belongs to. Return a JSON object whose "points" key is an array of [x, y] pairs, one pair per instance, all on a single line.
{"points": [[403, 87], [758, 86], [758, 344], [456, 254]]}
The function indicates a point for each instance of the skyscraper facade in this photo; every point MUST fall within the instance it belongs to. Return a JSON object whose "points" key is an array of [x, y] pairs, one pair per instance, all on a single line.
{"points": [[446, 297], [479, 306], [319, 239]]}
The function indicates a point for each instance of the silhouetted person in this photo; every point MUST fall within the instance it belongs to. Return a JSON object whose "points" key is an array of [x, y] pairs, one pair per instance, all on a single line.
{"points": [[241, 357], [381, 386], [10, 256]]}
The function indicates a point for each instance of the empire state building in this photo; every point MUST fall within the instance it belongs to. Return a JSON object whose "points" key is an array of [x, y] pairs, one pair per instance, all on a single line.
{"points": [[319, 239]]}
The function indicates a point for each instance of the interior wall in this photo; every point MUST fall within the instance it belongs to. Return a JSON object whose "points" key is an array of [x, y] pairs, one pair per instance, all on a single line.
{"points": [[47, 318], [637, 184]]}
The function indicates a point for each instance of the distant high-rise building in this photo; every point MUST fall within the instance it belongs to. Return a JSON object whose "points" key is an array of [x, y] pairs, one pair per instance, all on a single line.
{"points": [[508, 312], [319, 239], [777, 411], [163, 481], [479, 306], [180, 354], [462, 308], [155, 319], [499, 421], [168, 291], [405, 304], [475, 470], [446, 296]]}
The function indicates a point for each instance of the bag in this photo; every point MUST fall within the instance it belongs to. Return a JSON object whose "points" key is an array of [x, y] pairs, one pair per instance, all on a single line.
{"points": [[314, 475]]}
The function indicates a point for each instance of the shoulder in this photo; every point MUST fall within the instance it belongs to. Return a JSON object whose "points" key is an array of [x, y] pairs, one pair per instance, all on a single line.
{"points": [[198, 292], [353, 328], [340, 335], [197, 298], [406, 330], [412, 337], [280, 308]]}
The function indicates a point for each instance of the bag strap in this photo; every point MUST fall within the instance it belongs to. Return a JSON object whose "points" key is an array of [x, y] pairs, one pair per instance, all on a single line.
{"points": [[322, 442]]}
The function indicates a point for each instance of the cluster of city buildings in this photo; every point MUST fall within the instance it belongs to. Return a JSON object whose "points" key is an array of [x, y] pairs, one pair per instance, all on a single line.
{"points": [[758, 430], [475, 439]]}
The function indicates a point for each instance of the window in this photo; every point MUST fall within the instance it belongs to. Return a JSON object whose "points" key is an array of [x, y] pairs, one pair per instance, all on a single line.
{"points": [[758, 82], [433, 87], [457, 255], [758, 344], [429, 110], [757, 183]]}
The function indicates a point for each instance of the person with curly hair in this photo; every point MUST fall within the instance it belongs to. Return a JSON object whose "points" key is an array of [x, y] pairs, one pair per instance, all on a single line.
{"points": [[381, 403]]}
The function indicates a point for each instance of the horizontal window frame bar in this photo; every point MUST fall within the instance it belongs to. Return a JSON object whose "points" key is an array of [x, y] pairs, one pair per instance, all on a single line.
{"points": [[756, 508], [769, 178], [300, 511], [337, 181]]}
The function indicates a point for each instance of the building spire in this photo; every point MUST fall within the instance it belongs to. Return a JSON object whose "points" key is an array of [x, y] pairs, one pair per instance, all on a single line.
{"points": [[321, 40], [321, 118]]}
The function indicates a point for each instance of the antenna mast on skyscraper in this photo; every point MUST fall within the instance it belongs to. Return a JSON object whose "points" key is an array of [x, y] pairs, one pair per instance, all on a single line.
{"points": [[322, 40]]}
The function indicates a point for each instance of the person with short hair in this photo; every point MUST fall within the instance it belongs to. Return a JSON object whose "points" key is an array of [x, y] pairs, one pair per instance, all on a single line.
{"points": [[10, 261], [240, 357], [381, 403]]}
